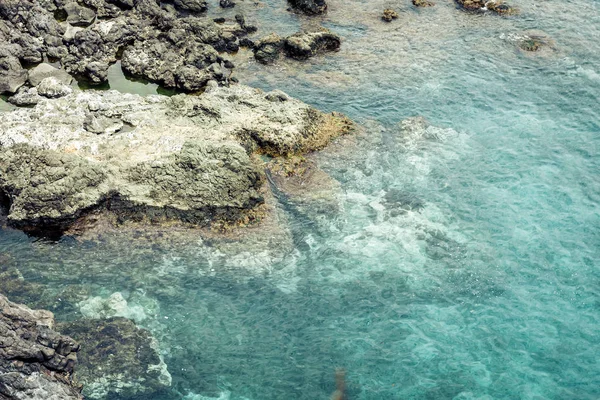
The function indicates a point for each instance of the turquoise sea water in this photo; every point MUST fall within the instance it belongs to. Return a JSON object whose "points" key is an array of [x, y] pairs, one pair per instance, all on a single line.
{"points": [[489, 288]]}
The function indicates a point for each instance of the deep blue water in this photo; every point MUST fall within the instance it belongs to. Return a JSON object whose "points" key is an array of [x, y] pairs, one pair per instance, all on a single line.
{"points": [[490, 289]]}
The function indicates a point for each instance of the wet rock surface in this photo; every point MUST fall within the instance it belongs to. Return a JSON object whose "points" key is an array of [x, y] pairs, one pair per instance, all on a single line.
{"points": [[496, 7], [118, 359], [310, 7], [156, 43], [304, 45], [184, 158], [389, 15], [300, 46], [35, 361]]}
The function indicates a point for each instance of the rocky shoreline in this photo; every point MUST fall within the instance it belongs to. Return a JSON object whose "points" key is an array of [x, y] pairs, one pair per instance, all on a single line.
{"points": [[216, 162], [194, 159]]}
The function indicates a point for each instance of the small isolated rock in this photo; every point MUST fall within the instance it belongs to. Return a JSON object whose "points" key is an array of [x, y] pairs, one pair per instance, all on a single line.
{"points": [[127, 356], [423, 3], [303, 45], [44, 70], [25, 97], [226, 4], [35, 361], [267, 49], [499, 7], [389, 15], [101, 124], [12, 74], [310, 7], [78, 15], [195, 6], [471, 5], [52, 87]]}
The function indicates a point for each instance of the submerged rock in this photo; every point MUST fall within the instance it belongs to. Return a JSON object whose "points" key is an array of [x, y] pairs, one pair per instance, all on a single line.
{"points": [[303, 45], [534, 42], [118, 359], [307, 187], [35, 361], [155, 42], [184, 158], [310, 7], [499, 7], [423, 3], [12, 75]]}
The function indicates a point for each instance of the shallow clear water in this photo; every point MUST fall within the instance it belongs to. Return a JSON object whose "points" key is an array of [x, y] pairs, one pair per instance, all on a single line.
{"points": [[490, 289]]}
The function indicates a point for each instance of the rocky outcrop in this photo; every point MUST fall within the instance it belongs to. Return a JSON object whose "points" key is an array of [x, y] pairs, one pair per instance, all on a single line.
{"points": [[303, 45], [268, 49], [35, 361], [300, 46], [471, 5], [184, 158], [310, 7], [533, 43], [118, 359], [155, 42], [423, 3], [12, 75], [44, 70]]}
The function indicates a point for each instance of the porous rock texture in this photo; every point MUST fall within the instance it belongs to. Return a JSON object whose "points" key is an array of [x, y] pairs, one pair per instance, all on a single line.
{"points": [[36, 363], [303, 45], [156, 158], [119, 360], [156, 43]]}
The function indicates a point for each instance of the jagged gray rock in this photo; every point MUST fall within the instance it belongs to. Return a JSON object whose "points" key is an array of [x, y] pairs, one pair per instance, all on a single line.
{"points": [[303, 45], [36, 362], [29, 32], [118, 359], [52, 87]]}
